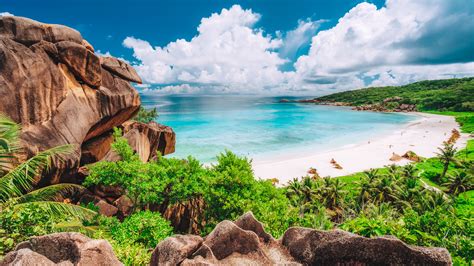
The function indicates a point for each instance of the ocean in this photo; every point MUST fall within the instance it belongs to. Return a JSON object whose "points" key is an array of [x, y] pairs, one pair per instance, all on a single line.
{"points": [[261, 127]]}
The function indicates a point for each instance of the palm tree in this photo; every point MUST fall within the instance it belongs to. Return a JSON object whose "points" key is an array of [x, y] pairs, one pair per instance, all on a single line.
{"points": [[365, 192], [409, 171], [16, 180], [333, 193], [384, 190], [434, 199], [393, 171], [459, 182], [372, 174], [446, 156]]}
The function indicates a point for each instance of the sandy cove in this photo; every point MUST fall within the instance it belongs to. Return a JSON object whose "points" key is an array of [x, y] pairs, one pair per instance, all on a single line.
{"points": [[423, 136]]}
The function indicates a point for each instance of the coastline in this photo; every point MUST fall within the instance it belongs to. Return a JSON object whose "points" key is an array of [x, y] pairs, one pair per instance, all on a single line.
{"points": [[422, 136]]}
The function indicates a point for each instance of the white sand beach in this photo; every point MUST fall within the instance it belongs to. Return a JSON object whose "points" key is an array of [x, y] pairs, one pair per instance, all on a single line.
{"points": [[422, 136]]}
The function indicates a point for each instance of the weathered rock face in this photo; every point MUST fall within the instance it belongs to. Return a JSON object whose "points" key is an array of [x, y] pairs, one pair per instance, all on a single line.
{"points": [[245, 242], [174, 250], [241, 243], [146, 140], [120, 69], [63, 249], [338, 247], [62, 93]]}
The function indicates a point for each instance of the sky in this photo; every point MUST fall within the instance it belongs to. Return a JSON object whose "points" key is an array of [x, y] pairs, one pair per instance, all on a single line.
{"points": [[274, 47]]}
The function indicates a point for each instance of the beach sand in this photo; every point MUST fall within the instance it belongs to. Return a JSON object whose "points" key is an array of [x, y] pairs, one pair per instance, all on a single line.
{"points": [[422, 136]]}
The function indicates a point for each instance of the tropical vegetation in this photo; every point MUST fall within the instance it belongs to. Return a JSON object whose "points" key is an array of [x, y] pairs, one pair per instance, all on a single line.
{"points": [[427, 203], [430, 95], [24, 211]]}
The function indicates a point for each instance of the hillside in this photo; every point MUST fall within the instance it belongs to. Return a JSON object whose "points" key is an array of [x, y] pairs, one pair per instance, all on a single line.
{"points": [[430, 95]]}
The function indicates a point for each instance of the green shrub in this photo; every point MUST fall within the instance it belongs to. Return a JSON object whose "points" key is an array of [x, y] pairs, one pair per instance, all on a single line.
{"points": [[19, 225], [146, 115], [145, 228], [128, 253]]}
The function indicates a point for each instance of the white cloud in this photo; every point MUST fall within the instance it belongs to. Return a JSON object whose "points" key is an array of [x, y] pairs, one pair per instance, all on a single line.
{"points": [[404, 32], [298, 38], [395, 75], [3, 14], [227, 51], [402, 42]]}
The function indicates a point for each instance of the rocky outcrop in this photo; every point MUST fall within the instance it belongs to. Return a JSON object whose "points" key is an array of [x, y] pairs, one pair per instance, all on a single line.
{"points": [[174, 250], [384, 108], [245, 242], [337, 247], [412, 156], [61, 92], [391, 104], [120, 69], [146, 140], [63, 249]]}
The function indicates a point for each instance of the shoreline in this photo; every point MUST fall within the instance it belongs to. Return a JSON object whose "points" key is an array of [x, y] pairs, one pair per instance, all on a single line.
{"points": [[423, 136]]}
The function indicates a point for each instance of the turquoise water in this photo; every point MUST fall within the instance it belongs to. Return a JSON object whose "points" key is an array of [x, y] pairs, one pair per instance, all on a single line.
{"points": [[258, 127]]}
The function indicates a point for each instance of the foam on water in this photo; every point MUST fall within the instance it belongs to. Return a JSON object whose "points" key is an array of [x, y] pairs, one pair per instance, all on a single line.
{"points": [[260, 127]]}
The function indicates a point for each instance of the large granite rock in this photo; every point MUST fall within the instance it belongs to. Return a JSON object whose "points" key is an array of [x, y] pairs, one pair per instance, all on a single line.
{"points": [[241, 243], [81, 61], [174, 250], [315, 247], [62, 93], [62, 249], [120, 68], [146, 140], [27, 31], [245, 242]]}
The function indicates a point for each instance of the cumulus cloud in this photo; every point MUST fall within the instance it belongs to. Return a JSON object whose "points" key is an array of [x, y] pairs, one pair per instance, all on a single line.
{"points": [[401, 42], [227, 52], [297, 39], [404, 32]]}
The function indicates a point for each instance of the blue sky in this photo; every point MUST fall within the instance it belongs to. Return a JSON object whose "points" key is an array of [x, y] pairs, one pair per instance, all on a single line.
{"points": [[272, 46]]}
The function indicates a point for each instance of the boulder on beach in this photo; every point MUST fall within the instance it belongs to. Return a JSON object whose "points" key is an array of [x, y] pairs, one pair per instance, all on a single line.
{"points": [[412, 156], [395, 157]]}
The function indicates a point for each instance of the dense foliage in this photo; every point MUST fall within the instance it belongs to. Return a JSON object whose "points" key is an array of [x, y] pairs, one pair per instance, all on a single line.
{"points": [[25, 212], [439, 95], [430, 203]]}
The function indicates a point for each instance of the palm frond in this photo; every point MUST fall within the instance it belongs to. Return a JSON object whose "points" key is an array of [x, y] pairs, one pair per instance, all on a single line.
{"points": [[59, 209], [51, 193], [9, 142], [19, 180], [9, 130]]}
